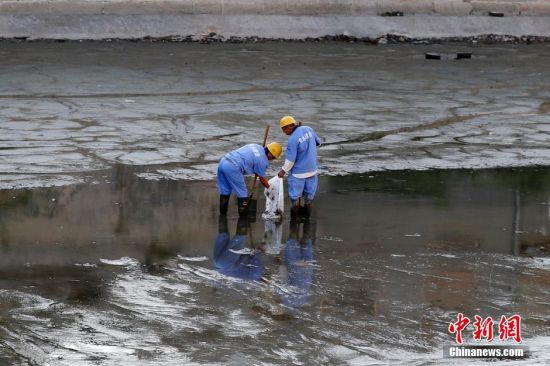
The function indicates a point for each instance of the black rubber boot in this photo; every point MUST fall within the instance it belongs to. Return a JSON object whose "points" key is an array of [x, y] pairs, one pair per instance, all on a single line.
{"points": [[242, 206], [308, 231], [293, 229], [222, 225], [224, 204], [242, 226], [307, 209], [294, 209]]}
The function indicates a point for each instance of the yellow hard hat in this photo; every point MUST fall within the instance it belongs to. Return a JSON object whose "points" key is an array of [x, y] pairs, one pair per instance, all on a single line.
{"points": [[287, 120], [275, 149]]}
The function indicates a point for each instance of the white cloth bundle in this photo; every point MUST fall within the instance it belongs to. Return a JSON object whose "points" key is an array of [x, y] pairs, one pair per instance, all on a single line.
{"points": [[274, 200], [273, 235]]}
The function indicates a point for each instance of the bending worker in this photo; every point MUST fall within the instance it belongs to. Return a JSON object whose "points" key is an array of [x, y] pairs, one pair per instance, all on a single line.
{"points": [[300, 164], [249, 159]]}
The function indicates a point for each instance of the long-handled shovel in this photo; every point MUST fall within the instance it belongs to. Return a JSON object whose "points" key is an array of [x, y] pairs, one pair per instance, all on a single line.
{"points": [[252, 203]]}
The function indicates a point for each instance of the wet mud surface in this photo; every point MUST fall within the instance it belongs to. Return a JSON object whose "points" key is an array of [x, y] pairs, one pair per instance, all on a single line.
{"points": [[174, 109], [112, 251], [134, 271]]}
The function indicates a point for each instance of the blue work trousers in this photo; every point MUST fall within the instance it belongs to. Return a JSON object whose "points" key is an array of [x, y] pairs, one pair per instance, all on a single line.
{"points": [[298, 187], [231, 179]]}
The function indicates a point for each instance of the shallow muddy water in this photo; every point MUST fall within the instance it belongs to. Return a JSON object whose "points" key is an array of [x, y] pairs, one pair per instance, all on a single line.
{"points": [[132, 271]]}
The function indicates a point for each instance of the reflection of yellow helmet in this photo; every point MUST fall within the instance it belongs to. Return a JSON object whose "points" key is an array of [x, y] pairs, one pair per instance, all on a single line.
{"points": [[275, 149], [287, 120]]}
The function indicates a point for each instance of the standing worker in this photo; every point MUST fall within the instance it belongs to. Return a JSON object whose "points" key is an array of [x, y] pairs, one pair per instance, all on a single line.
{"points": [[249, 159], [300, 164]]}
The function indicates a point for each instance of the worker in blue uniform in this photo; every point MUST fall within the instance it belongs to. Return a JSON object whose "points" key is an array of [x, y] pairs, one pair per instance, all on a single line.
{"points": [[249, 159], [300, 164]]}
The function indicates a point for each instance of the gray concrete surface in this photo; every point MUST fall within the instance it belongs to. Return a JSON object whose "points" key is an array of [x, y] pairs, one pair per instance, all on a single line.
{"points": [[94, 19], [296, 27], [277, 7]]}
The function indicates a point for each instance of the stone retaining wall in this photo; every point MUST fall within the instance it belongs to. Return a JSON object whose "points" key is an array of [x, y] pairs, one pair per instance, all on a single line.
{"points": [[95, 19], [277, 7]]}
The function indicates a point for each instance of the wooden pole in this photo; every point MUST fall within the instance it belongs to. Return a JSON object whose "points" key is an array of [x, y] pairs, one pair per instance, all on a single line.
{"points": [[256, 175]]}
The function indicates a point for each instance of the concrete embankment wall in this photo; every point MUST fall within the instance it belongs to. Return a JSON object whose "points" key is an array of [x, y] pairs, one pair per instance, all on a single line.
{"points": [[96, 19]]}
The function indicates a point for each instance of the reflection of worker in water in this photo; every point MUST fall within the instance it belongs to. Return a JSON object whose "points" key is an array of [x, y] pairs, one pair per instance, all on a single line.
{"points": [[230, 255], [298, 259], [300, 163], [249, 159]]}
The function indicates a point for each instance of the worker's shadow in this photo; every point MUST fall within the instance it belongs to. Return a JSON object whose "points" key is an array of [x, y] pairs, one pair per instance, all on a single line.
{"points": [[232, 257], [235, 258], [298, 264]]}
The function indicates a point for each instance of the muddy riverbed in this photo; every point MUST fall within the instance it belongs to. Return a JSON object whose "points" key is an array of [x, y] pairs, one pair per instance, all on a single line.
{"points": [[112, 251], [176, 108]]}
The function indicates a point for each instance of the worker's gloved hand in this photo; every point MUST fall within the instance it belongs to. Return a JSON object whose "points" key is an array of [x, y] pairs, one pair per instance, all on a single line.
{"points": [[264, 182]]}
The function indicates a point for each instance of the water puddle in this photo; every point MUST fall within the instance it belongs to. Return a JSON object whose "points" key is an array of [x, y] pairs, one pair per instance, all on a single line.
{"points": [[135, 271]]}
